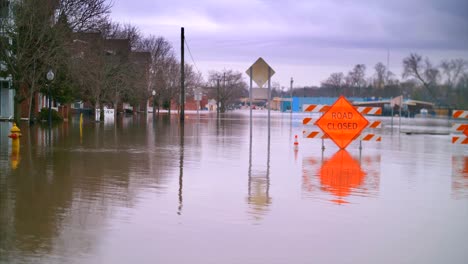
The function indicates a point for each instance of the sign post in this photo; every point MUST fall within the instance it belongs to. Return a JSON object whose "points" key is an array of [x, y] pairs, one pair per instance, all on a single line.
{"points": [[342, 122], [260, 72]]}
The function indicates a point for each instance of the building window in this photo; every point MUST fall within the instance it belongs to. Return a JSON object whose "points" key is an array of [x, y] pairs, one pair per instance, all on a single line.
{"points": [[4, 8]]}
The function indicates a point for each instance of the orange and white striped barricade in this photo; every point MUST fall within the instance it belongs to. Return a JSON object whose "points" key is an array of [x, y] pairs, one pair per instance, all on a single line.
{"points": [[369, 134], [312, 108], [460, 114], [370, 137], [364, 110], [375, 124], [308, 121], [368, 110], [460, 140], [460, 130], [318, 134]]}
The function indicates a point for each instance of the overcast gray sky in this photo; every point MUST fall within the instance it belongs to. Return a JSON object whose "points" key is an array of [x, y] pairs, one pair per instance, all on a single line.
{"points": [[304, 39]]}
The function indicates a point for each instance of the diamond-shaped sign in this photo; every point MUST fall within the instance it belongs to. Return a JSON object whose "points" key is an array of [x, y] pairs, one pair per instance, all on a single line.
{"points": [[342, 122], [260, 72], [340, 175]]}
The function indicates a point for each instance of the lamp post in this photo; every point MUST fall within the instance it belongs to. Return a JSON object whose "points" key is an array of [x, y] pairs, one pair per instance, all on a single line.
{"points": [[154, 100], [50, 77], [217, 97], [291, 91]]}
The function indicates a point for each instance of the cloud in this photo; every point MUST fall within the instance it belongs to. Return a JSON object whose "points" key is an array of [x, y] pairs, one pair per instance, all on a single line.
{"points": [[304, 32]]}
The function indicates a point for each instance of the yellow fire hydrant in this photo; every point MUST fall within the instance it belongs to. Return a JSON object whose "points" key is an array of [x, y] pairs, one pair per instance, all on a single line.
{"points": [[15, 134]]}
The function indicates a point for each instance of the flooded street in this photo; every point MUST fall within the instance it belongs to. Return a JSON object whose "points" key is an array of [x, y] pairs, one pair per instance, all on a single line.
{"points": [[153, 191]]}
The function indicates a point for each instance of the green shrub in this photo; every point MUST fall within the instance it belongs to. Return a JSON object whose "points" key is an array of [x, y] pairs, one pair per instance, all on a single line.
{"points": [[44, 115]]}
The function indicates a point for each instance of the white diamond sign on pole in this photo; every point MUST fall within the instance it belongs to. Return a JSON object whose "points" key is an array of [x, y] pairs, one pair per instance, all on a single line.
{"points": [[261, 72]]}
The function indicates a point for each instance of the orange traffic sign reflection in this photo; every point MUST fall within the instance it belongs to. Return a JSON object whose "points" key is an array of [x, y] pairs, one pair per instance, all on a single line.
{"points": [[460, 176], [342, 122], [340, 174]]}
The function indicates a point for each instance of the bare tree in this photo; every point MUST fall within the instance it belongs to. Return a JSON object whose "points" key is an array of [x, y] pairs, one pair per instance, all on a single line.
{"points": [[357, 78], [453, 70], [85, 15], [112, 30], [380, 75], [28, 48], [336, 81], [232, 86], [423, 71]]}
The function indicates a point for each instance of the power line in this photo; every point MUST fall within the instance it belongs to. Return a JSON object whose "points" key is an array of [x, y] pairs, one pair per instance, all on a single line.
{"points": [[190, 52]]}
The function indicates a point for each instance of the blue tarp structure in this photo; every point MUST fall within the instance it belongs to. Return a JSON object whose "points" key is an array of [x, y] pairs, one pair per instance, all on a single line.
{"points": [[297, 102]]}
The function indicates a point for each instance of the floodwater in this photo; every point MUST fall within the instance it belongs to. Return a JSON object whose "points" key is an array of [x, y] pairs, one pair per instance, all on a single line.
{"points": [[153, 191]]}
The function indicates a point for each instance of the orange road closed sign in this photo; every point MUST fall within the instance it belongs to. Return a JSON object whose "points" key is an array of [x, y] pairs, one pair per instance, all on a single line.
{"points": [[342, 122]]}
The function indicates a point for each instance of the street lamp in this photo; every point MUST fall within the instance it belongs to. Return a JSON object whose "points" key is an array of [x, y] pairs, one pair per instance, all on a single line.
{"points": [[154, 99], [50, 77], [291, 91]]}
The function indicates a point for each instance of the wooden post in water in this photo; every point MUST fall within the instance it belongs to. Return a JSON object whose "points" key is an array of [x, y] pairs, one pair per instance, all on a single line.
{"points": [[182, 76]]}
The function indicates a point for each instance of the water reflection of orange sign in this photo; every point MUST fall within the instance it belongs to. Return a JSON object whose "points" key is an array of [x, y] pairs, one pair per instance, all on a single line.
{"points": [[460, 175], [342, 122], [313, 182], [340, 174]]}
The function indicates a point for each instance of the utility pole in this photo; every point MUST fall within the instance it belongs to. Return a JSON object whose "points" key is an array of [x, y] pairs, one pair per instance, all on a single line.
{"points": [[291, 91], [182, 76], [217, 97]]}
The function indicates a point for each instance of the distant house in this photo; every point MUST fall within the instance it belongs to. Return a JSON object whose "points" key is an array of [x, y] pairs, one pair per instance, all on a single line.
{"points": [[211, 105], [119, 52]]}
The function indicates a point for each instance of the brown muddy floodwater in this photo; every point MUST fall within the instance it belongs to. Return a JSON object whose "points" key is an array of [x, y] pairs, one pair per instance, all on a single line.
{"points": [[144, 191]]}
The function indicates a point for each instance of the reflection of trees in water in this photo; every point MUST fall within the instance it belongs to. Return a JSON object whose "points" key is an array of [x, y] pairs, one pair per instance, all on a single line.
{"points": [[58, 194], [460, 176]]}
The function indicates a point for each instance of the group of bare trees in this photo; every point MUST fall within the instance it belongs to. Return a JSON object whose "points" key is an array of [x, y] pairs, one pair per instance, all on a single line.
{"points": [[445, 84], [227, 86], [35, 38], [40, 35]]}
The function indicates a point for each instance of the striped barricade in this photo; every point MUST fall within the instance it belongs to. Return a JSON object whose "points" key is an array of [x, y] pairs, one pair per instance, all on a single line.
{"points": [[459, 127], [460, 130], [370, 137], [315, 108], [314, 134], [460, 140], [375, 124], [364, 110], [307, 121], [367, 110], [460, 114]]}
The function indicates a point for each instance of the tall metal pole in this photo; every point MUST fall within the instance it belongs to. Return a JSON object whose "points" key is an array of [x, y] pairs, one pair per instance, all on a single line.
{"points": [[269, 101], [224, 88], [154, 105], [50, 105], [182, 76], [217, 97], [250, 95], [291, 91]]}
